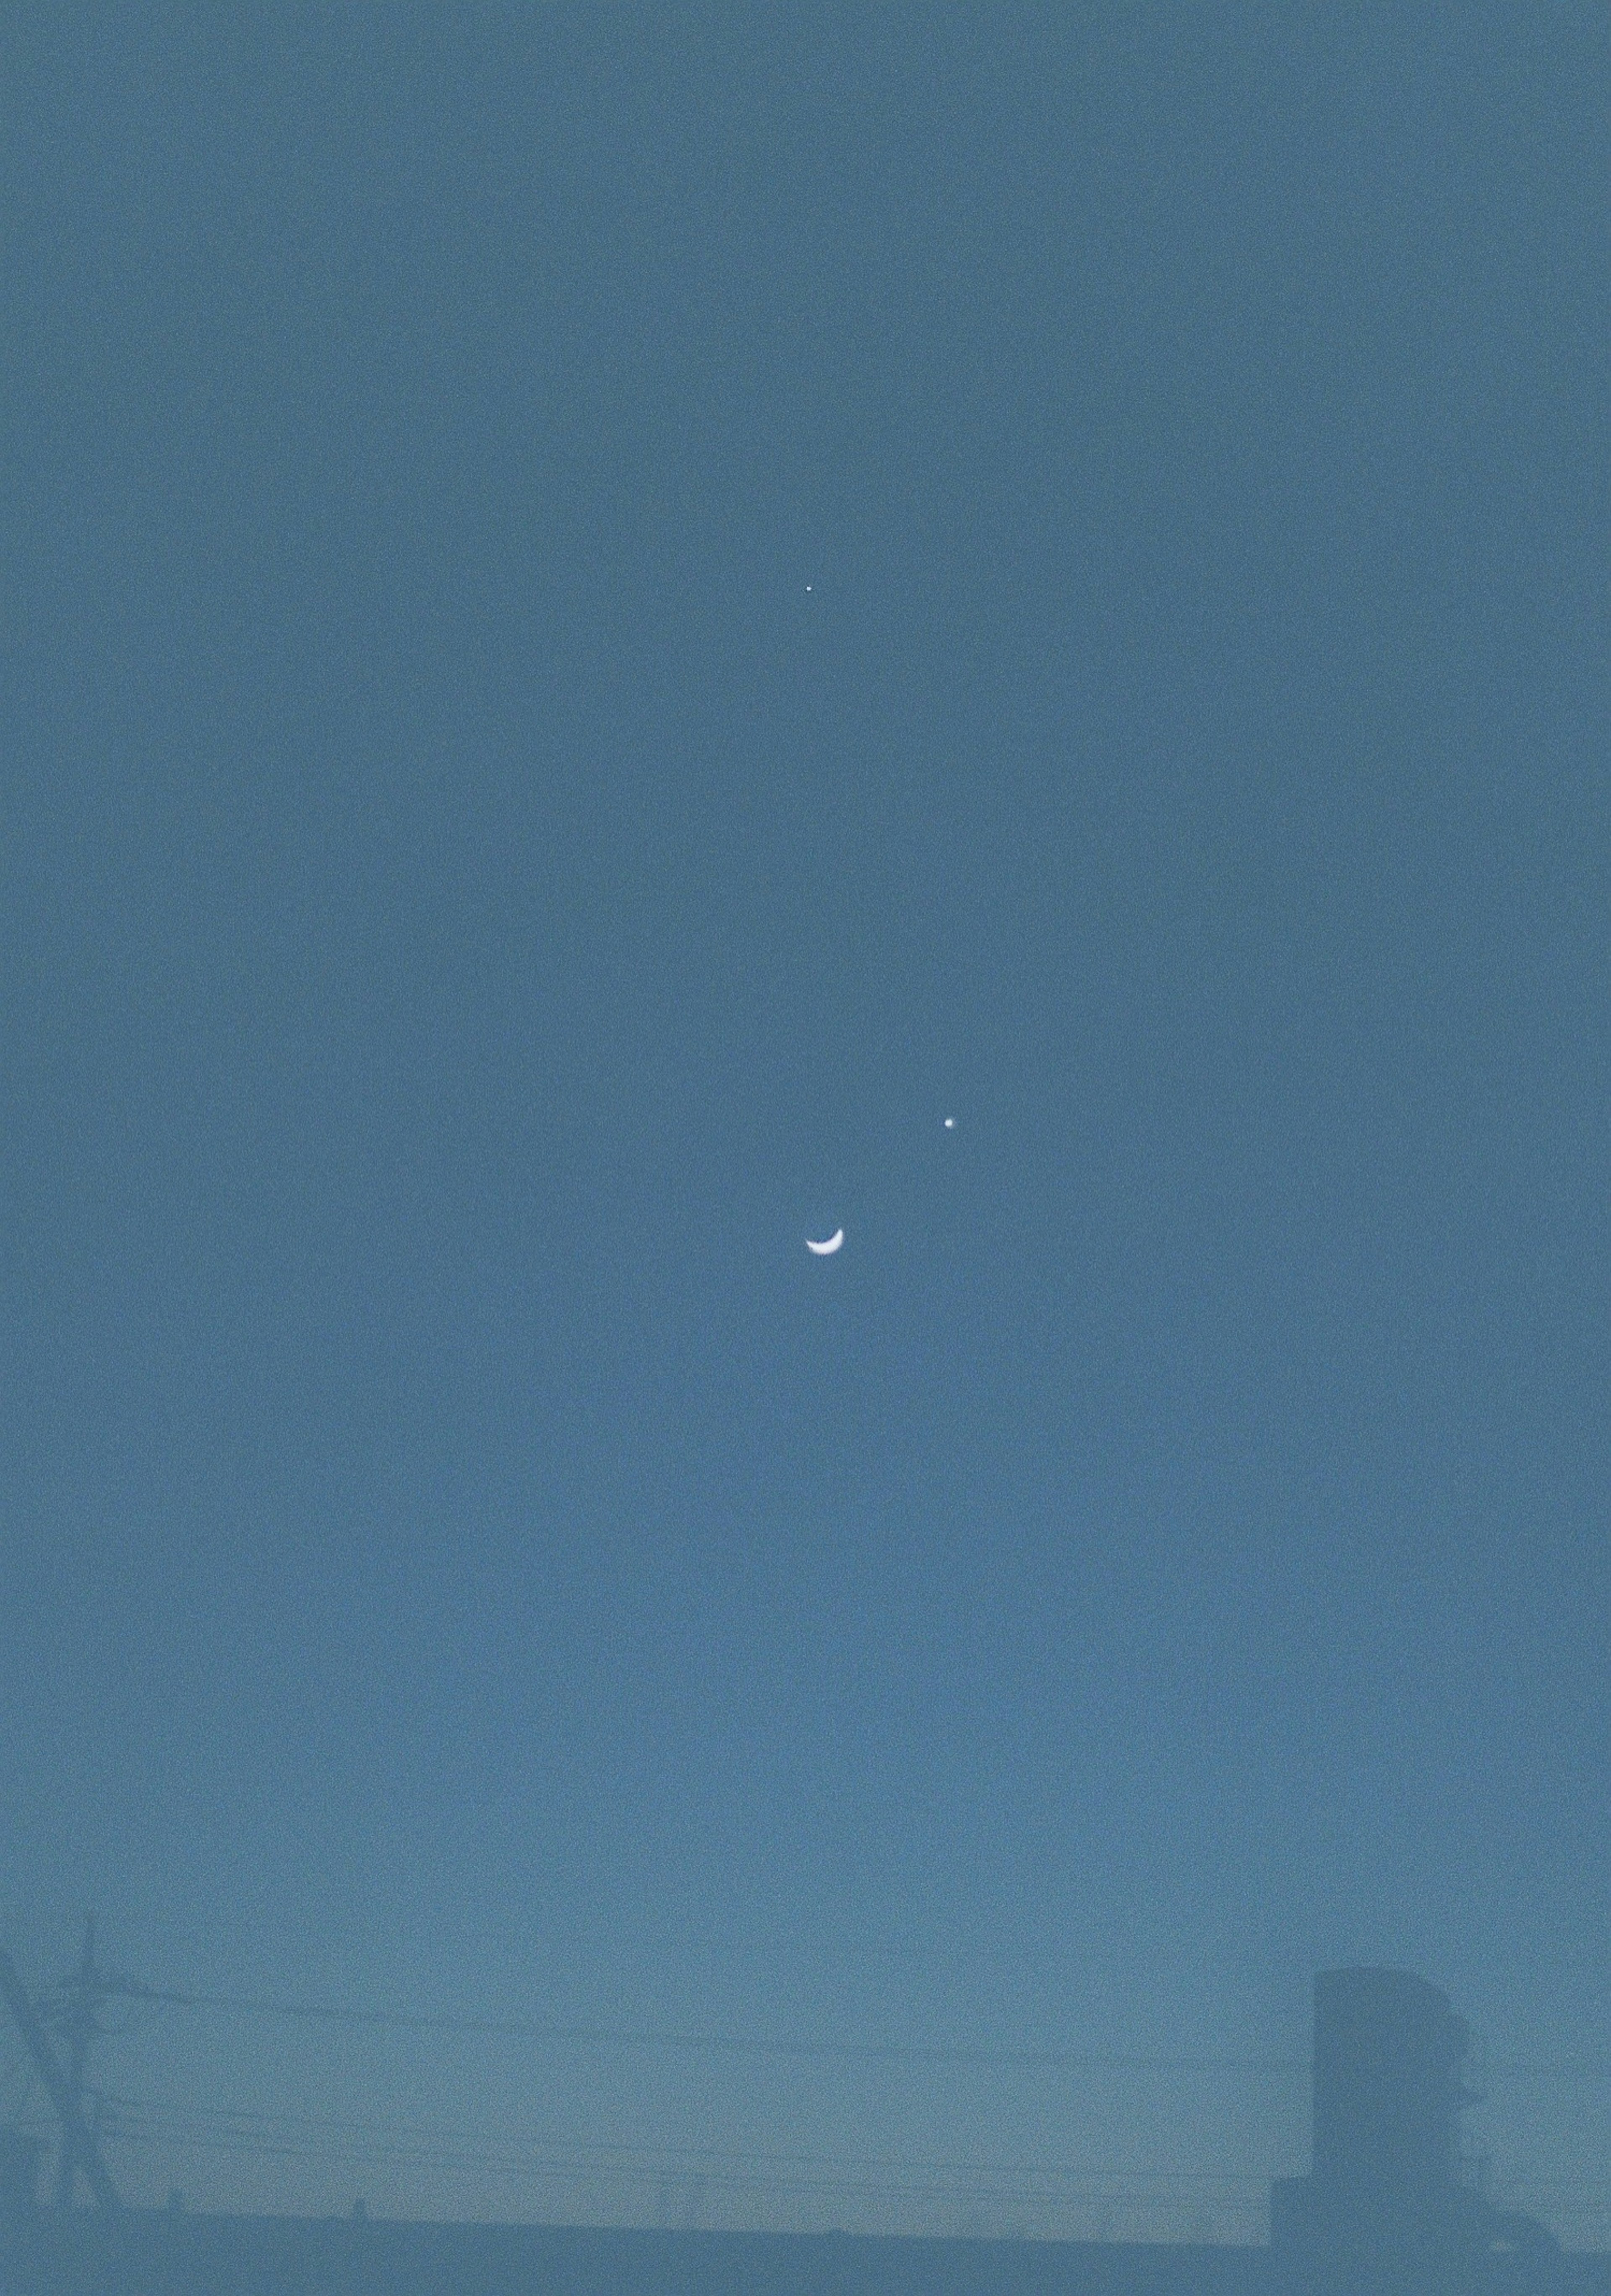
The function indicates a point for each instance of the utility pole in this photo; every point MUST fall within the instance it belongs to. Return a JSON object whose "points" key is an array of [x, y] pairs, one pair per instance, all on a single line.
{"points": [[74, 2015], [77, 2019]]}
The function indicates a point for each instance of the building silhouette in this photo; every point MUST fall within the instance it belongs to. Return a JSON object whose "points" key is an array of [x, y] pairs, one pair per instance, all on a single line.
{"points": [[1390, 2207]]}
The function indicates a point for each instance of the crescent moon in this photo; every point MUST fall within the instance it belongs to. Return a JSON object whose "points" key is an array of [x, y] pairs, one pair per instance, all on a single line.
{"points": [[832, 1244]]}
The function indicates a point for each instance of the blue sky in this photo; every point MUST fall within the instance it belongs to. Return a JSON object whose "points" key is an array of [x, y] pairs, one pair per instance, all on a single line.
{"points": [[607, 620]]}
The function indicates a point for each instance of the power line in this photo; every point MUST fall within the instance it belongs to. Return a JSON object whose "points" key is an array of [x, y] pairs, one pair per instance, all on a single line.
{"points": [[248, 2123], [1054, 2192], [723, 2044], [748, 2045]]}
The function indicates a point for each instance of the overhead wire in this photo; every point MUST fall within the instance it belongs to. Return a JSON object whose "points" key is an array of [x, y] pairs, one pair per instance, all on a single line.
{"points": [[723, 2044], [751, 2045]]}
